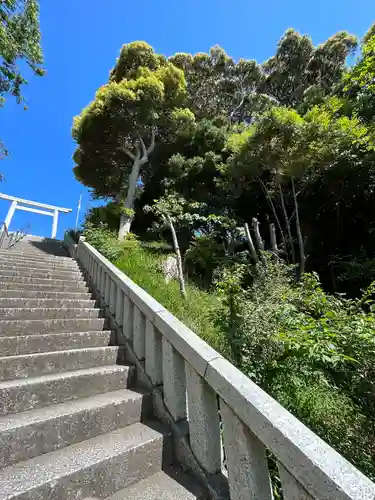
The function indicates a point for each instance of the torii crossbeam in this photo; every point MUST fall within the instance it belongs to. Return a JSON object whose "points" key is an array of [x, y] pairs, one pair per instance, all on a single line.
{"points": [[27, 206]]}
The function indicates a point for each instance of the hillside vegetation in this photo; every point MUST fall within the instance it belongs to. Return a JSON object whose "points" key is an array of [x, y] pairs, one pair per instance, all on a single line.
{"points": [[260, 179]]}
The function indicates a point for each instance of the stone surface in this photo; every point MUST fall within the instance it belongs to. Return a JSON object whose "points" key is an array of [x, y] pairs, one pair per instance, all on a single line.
{"points": [[193, 349], [170, 269], [204, 425], [49, 287], [161, 486], [35, 326], [43, 293], [322, 471], [27, 344], [26, 394], [62, 303], [99, 467], [174, 381], [29, 313], [44, 363], [246, 460], [34, 432]]}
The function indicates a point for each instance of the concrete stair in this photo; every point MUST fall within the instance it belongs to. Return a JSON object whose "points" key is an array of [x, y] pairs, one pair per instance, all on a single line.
{"points": [[71, 425]]}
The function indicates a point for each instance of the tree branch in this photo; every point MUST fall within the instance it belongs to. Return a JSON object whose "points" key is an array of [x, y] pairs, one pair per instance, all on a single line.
{"points": [[128, 152]]}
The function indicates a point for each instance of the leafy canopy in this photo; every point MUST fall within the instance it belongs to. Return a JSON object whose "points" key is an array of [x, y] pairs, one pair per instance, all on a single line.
{"points": [[19, 40]]}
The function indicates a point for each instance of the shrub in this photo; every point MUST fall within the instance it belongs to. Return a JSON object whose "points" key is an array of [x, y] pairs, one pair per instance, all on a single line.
{"points": [[104, 240]]}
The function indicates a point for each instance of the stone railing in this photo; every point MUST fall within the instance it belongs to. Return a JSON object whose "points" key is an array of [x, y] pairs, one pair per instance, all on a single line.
{"points": [[199, 383]]}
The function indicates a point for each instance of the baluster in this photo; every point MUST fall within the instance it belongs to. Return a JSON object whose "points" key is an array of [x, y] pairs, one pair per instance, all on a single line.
{"points": [[127, 322], [246, 459], [292, 489], [119, 311], [138, 333], [107, 288], [204, 425], [102, 282], [174, 381], [154, 353], [112, 296]]}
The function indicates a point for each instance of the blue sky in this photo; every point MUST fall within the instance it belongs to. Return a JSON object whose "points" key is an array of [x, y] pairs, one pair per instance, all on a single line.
{"points": [[81, 40]]}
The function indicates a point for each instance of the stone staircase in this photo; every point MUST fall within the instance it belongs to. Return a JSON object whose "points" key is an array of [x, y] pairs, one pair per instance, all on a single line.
{"points": [[70, 425]]}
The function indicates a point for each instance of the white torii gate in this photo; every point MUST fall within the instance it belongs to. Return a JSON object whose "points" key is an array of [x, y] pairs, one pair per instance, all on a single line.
{"points": [[18, 204]]}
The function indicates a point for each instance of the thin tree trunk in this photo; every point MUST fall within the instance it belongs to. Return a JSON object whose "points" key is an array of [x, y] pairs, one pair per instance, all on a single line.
{"points": [[287, 224], [258, 237], [126, 219], [273, 241], [140, 158], [299, 234], [253, 252], [178, 256], [272, 205]]}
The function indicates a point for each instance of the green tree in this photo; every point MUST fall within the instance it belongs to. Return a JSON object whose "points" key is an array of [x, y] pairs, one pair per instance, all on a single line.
{"points": [[359, 83], [300, 74], [116, 134], [19, 41], [220, 87]]}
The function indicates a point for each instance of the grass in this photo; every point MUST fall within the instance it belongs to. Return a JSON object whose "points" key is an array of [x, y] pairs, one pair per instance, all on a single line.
{"points": [[142, 263]]}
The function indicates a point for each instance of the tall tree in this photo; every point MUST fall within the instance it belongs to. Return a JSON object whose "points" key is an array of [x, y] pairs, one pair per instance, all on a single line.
{"points": [[116, 134], [300, 73], [220, 87], [359, 83], [19, 41]]}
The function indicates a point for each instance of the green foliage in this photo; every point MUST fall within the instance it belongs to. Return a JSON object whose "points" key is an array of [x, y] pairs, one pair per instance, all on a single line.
{"points": [[312, 351], [104, 240], [19, 39]]}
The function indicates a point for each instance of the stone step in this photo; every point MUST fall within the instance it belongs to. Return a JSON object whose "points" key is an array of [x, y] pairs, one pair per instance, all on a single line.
{"points": [[41, 294], [162, 485], [40, 273], [46, 257], [16, 285], [62, 303], [28, 344], [36, 392], [45, 363], [9, 328], [35, 432], [37, 262], [78, 282], [8, 313], [97, 467]]}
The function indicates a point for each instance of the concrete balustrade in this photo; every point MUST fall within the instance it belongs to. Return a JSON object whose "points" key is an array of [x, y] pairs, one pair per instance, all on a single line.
{"points": [[194, 377]]}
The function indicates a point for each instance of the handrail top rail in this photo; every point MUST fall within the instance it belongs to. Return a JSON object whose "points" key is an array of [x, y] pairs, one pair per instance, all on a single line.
{"points": [[4, 196], [323, 472]]}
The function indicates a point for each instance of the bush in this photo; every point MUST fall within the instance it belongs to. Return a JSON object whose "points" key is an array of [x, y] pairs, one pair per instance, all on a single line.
{"points": [[104, 240], [313, 352]]}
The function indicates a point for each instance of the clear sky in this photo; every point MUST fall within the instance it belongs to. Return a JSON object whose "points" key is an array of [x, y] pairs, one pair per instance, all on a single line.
{"points": [[81, 40]]}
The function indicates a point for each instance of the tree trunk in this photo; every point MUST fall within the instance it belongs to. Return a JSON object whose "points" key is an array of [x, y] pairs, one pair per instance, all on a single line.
{"points": [[140, 158], [273, 240], [126, 219], [258, 237], [299, 234], [178, 256], [253, 252], [287, 224]]}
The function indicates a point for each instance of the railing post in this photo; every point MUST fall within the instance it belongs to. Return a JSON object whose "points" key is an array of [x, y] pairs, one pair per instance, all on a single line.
{"points": [[112, 295], [174, 381], [246, 460], [119, 311], [204, 425], [138, 333], [127, 322], [154, 353], [292, 490]]}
